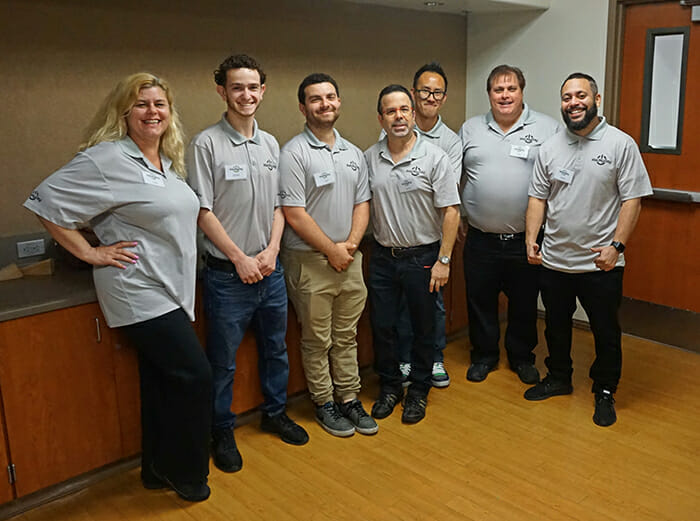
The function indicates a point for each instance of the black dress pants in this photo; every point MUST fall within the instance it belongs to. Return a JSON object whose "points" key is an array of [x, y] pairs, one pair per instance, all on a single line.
{"points": [[492, 265], [600, 294], [176, 398]]}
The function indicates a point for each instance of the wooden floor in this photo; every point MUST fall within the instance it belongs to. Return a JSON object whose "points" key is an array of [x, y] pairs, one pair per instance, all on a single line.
{"points": [[483, 453]]}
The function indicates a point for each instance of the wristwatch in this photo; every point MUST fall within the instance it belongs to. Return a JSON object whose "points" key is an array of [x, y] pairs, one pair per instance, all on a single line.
{"points": [[444, 260], [618, 246]]}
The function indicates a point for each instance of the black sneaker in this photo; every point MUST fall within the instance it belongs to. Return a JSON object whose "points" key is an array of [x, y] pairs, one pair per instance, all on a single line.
{"points": [[225, 452], [195, 491], [414, 408], [478, 372], [547, 388], [363, 422], [527, 373], [385, 404], [604, 415], [284, 426], [329, 417]]}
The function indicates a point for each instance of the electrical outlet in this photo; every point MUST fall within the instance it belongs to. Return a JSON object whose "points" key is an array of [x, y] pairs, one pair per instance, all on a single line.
{"points": [[30, 248]]}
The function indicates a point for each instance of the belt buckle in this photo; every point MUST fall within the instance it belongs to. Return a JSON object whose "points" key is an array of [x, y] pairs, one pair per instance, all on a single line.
{"points": [[506, 236], [393, 250]]}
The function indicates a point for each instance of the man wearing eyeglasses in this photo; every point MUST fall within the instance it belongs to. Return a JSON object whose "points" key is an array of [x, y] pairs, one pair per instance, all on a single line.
{"points": [[499, 151], [429, 94], [415, 215]]}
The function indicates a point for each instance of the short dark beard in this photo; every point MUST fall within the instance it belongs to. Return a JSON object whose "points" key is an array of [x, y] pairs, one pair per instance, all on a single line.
{"points": [[573, 126]]}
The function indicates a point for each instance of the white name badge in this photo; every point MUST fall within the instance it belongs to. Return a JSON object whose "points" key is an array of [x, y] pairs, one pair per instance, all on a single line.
{"points": [[520, 151], [564, 175], [236, 172], [407, 185], [152, 179], [324, 178]]}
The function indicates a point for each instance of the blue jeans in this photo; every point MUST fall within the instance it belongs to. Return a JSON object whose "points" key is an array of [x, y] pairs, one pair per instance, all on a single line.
{"points": [[405, 330], [231, 306], [390, 276]]}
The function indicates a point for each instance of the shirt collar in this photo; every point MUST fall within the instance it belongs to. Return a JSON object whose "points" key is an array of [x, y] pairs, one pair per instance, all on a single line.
{"points": [[417, 151], [433, 132], [132, 149], [594, 135], [525, 119], [313, 141], [236, 137]]}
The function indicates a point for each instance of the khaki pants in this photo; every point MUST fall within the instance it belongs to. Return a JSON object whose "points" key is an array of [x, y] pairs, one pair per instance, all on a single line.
{"points": [[328, 305]]}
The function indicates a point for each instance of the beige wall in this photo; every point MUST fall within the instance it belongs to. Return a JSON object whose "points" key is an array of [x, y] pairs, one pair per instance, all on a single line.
{"points": [[59, 59], [547, 45]]}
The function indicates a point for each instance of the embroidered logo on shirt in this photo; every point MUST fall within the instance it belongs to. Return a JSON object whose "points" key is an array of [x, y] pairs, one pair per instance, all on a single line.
{"points": [[270, 165], [34, 196], [353, 166], [282, 194], [529, 138], [601, 160], [416, 171], [236, 168]]}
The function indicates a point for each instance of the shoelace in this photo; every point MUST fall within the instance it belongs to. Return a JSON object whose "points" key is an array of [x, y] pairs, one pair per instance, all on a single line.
{"points": [[414, 401], [331, 409], [356, 406], [439, 368], [605, 396]]}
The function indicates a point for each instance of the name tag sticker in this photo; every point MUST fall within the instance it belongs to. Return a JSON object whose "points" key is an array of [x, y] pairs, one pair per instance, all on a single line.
{"points": [[564, 175], [324, 178], [236, 172], [152, 179], [520, 151], [407, 185]]}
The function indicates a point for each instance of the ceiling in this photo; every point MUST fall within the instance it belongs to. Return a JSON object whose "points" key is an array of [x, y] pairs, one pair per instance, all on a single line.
{"points": [[461, 6]]}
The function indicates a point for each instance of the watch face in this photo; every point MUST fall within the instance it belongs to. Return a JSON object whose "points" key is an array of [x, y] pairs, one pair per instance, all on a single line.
{"points": [[445, 259]]}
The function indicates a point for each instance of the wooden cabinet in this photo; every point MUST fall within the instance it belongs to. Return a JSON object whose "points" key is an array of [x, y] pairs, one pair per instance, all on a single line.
{"points": [[6, 488], [59, 390]]}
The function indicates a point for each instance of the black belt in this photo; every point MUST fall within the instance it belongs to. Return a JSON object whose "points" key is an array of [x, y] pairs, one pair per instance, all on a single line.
{"points": [[219, 264], [410, 251], [499, 236]]}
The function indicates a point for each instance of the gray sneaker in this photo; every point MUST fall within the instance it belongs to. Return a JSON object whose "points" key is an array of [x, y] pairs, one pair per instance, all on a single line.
{"points": [[329, 417], [363, 422]]}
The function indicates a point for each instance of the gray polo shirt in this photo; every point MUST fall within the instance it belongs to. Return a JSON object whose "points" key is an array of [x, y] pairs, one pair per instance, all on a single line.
{"points": [[407, 196], [585, 180], [114, 189], [327, 182], [237, 179], [498, 168], [443, 137]]}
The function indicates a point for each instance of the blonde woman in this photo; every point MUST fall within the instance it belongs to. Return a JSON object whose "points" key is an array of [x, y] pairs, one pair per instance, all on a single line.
{"points": [[127, 183]]}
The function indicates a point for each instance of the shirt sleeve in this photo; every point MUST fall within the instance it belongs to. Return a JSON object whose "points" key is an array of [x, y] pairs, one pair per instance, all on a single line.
{"points": [[362, 193], [292, 179], [200, 175], [632, 176], [444, 188], [454, 152], [539, 183], [73, 195]]}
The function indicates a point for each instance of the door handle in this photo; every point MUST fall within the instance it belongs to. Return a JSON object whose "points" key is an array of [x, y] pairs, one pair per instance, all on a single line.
{"points": [[97, 328]]}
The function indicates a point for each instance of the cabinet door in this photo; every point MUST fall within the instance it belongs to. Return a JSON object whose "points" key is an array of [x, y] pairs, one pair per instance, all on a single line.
{"points": [[58, 389], [7, 492]]}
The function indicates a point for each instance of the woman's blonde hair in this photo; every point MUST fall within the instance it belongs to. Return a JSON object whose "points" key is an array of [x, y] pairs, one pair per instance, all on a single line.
{"points": [[109, 124]]}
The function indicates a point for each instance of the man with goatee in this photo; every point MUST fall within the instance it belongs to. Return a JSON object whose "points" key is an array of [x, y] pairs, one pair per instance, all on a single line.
{"points": [[589, 181]]}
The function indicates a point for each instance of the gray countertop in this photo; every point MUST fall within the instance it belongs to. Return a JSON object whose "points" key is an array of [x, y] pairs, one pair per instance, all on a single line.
{"points": [[32, 295]]}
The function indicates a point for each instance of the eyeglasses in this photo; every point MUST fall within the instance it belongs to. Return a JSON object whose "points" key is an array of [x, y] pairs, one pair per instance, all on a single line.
{"points": [[392, 113], [424, 94]]}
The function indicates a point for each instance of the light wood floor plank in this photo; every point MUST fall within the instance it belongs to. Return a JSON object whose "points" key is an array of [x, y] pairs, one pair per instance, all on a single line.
{"points": [[482, 454]]}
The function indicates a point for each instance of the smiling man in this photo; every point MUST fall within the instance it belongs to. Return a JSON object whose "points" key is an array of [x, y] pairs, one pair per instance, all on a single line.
{"points": [[415, 215], [589, 181], [499, 151], [324, 190], [232, 167]]}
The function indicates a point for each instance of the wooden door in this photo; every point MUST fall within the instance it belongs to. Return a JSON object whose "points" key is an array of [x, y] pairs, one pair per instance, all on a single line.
{"points": [[7, 491], [57, 377], [663, 261]]}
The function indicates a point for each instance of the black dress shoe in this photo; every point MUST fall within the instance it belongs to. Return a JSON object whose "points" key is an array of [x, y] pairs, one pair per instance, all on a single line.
{"points": [[191, 491], [527, 373], [478, 372]]}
